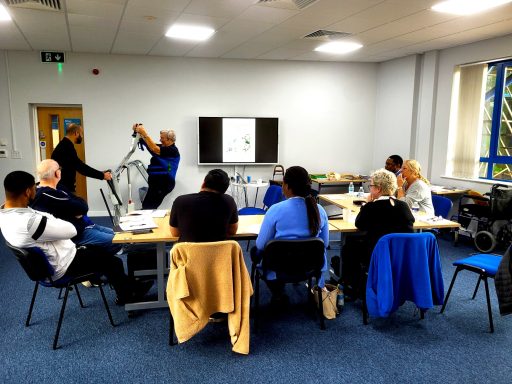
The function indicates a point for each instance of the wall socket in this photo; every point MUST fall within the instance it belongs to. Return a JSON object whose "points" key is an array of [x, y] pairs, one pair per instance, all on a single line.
{"points": [[3, 153], [16, 154]]}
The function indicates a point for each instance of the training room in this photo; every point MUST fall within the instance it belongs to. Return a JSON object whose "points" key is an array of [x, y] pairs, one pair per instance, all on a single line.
{"points": [[426, 84]]}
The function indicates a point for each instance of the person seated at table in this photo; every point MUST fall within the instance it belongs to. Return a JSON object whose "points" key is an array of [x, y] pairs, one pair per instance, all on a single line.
{"points": [[66, 206], [25, 227], [414, 188], [209, 215], [299, 216], [382, 214], [394, 164]]}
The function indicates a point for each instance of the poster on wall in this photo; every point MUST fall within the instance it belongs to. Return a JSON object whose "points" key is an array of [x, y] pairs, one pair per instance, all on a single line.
{"points": [[238, 140], [77, 121]]}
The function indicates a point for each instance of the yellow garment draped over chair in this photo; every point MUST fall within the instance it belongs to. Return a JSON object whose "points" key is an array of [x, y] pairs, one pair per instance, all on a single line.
{"points": [[206, 278]]}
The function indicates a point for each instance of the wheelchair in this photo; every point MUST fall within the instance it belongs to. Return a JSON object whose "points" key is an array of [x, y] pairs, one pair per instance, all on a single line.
{"points": [[487, 218]]}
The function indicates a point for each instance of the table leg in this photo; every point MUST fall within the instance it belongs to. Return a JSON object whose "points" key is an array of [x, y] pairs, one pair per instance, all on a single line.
{"points": [[160, 282], [256, 197]]}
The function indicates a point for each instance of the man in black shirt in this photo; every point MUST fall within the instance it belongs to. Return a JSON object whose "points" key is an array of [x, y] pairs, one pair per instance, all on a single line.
{"points": [[65, 154], [209, 215], [163, 165]]}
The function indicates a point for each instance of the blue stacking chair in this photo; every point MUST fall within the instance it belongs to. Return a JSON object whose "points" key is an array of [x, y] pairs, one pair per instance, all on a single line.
{"points": [[442, 206], [403, 267], [273, 195], [36, 265], [483, 264]]}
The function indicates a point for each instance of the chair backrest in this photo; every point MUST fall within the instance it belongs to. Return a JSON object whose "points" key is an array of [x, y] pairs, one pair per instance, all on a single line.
{"points": [[278, 170], [273, 195], [442, 205], [297, 257], [34, 262]]}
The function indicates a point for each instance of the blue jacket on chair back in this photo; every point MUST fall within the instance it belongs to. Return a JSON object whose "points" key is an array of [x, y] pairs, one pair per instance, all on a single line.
{"points": [[404, 266]]}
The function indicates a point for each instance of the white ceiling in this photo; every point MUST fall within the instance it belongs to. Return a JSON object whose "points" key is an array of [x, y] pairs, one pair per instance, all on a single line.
{"points": [[248, 29]]}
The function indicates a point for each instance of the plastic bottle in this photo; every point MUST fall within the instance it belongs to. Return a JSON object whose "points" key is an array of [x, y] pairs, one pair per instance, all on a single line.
{"points": [[351, 188], [340, 298], [361, 192], [415, 208]]}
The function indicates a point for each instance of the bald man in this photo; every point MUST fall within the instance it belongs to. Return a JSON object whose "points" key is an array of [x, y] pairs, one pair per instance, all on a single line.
{"points": [[66, 206]]}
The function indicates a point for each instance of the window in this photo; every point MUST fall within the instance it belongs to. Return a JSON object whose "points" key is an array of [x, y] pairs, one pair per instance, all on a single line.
{"points": [[496, 139]]}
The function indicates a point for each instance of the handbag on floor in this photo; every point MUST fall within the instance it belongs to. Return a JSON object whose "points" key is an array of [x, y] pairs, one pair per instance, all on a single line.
{"points": [[328, 300]]}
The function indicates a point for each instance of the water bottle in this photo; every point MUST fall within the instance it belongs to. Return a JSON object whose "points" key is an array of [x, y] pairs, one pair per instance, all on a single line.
{"points": [[340, 298], [361, 192], [351, 188], [415, 208]]}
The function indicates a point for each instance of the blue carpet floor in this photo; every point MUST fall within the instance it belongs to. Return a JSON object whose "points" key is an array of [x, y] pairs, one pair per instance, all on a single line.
{"points": [[290, 348]]}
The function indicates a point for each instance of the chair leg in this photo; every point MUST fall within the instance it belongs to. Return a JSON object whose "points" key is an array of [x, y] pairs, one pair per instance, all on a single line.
{"points": [[477, 286], [489, 311], [171, 330], [31, 307], [79, 296], [422, 313], [61, 317], [60, 294], [457, 270], [256, 307], [364, 306], [106, 305], [248, 243]]}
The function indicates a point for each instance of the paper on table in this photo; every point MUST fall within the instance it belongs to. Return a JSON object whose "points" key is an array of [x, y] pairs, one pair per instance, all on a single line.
{"points": [[159, 213], [137, 222]]}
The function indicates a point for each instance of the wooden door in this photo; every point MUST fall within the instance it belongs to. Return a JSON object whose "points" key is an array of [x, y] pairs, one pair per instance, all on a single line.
{"points": [[51, 122]]}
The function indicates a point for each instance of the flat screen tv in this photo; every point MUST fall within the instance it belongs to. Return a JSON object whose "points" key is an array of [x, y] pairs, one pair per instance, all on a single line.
{"points": [[238, 140]]}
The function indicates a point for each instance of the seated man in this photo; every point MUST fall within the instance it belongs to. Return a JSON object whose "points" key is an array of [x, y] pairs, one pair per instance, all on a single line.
{"points": [[66, 206], [394, 164], [209, 215], [25, 227]]}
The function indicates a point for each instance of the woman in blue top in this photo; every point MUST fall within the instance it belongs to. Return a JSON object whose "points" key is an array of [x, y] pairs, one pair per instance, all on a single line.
{"points": [[299, 216]]}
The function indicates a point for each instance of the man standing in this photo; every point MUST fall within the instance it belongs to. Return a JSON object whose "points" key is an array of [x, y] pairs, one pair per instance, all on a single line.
{"points": [[66, 206], [209, 215], [25, 227], [65, 154], [394, 164], [163, 165]]}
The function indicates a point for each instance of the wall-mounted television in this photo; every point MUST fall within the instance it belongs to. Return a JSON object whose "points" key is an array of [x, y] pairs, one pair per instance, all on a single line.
{"points": [[238, 140]]}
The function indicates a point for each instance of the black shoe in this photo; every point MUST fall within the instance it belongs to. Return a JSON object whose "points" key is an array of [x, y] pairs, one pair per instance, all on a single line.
{"points": [[141, 288], [139, 291]]}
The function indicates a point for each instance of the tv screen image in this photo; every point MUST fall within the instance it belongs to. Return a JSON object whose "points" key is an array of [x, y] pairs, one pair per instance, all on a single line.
{"points": [[238, 140]]}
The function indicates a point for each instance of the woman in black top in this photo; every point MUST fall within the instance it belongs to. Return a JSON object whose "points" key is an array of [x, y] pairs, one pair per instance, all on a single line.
{"points": [[382, 214]]}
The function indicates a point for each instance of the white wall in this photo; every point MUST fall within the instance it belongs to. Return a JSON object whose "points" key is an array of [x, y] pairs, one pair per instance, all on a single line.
{"points": [[394, 116], [326, 110]]}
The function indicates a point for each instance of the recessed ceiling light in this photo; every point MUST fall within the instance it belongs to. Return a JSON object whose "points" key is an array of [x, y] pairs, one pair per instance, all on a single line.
{"points": [[467, 7], [338, 47], [189, 32], [4, 16]]}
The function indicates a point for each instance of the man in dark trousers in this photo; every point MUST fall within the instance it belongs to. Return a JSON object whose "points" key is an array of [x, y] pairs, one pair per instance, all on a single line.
{"points": [[163, 165], [65, 154]]}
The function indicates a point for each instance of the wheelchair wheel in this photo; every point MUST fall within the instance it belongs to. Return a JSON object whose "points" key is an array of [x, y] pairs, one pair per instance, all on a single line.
{"points": [[485, 241]]}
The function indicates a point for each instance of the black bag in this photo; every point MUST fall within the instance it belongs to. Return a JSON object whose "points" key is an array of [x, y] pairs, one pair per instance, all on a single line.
{"points": [[501, 202]]}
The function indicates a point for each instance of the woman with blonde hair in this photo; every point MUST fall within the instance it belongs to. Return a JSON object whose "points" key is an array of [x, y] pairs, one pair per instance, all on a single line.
{"points": [[413, 187], [383, 214]]}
